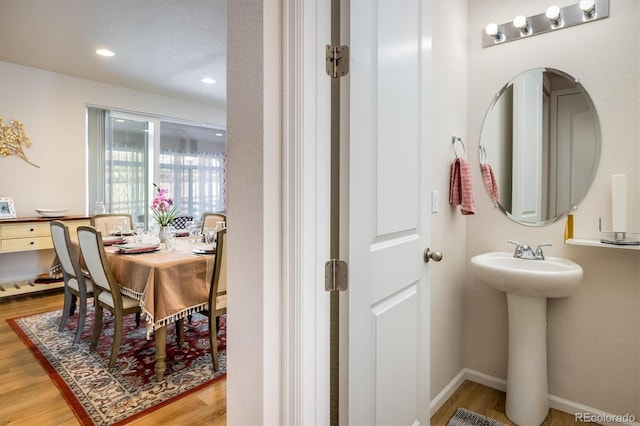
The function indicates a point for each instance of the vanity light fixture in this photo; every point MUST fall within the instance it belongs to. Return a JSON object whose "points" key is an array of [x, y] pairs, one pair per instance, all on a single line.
{"points": [[492, 30], [521, 23], [554, 18]]}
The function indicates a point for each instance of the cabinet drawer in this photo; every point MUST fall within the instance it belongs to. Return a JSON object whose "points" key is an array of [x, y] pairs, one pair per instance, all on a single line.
{"points": [[24, 230], [23, 244]]}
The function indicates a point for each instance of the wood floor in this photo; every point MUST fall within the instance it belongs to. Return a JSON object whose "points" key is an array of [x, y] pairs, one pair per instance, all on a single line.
{"points": [[490, 402], [29, 397]]}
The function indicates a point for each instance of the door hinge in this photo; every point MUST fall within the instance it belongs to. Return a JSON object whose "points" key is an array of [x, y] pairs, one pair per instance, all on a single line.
{"points": [[337, 60], [335, 275]]}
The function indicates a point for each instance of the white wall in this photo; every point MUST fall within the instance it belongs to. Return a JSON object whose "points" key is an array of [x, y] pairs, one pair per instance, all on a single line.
{"points": [[448, 226], [254, 212], [594, 335], [52, 108]]}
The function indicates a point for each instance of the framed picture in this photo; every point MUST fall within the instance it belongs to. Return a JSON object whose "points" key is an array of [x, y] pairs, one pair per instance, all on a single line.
{"points": [[7, 209]]}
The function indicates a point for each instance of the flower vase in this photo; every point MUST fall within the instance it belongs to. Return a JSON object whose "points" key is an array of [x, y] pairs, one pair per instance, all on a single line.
{"points": [[162, 234]]}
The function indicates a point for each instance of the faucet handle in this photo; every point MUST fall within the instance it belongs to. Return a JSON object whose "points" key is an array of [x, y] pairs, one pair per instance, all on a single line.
{"points": [[539, 254], [519, 248]]}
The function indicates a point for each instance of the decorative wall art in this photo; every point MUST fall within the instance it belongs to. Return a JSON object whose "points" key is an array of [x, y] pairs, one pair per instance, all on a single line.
{"points": [[13, 139], [7, 209]]}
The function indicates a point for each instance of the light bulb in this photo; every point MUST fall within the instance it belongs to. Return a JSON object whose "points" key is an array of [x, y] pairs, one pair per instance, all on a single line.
{"points": [[492, 29], [587, 6], [553, 13], [520, 22]]}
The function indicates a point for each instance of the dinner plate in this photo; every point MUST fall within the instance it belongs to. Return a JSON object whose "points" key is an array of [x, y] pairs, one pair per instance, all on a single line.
{"points": [[51, 212], [199, 250]]}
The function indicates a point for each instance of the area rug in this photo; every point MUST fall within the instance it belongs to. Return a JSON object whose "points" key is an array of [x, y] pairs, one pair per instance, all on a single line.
{"points": [[464, 417], [102, 396]]}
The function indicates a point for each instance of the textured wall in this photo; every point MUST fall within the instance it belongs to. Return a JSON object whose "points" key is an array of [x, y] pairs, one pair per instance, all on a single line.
{"points": [[594, 336]]}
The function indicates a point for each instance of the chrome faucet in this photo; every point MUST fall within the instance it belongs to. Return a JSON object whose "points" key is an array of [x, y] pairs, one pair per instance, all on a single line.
{"points": [[524, 251]]}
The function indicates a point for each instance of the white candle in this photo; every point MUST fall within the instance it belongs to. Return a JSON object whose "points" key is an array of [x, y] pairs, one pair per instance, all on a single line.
{"points": [[619, 203]]}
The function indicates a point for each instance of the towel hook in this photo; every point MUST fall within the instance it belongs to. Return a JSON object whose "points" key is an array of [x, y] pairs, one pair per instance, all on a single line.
{"points": [[455, 139]]}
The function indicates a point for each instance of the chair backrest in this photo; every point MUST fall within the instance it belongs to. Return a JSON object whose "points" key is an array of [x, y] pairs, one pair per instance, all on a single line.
{"points": [[102, 221], [209, 220], [219, 278], [180, 222], [95, 259], [66, 254]]}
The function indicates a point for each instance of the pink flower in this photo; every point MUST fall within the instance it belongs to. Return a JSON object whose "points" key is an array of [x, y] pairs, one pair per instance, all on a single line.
{"points": [[162, 206]]}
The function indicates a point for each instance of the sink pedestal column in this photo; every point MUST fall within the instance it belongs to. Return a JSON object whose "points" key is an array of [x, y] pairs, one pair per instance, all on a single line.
{"points": [[527, 389]]}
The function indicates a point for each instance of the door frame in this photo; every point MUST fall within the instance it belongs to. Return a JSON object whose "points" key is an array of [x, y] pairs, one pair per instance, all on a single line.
{"points": [[306, 195]]}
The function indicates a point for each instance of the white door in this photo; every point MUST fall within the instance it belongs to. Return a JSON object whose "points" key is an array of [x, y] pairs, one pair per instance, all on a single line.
{"points": [[390, 78]]}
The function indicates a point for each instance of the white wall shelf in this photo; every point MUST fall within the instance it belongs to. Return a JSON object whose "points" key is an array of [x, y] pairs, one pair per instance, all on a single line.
{"points": [[597, 243]]}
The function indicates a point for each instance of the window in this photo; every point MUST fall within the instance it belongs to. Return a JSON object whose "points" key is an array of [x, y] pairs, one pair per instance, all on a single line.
{"points": [[128, 153]]}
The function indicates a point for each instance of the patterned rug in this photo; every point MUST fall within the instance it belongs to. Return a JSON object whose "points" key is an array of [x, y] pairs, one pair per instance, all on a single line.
{"points": [[464, 417], [102, 396]]}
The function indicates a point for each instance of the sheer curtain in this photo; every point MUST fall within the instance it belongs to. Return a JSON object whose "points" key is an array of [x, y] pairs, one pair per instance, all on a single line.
{"points": [[126, 177], [196, 180]]}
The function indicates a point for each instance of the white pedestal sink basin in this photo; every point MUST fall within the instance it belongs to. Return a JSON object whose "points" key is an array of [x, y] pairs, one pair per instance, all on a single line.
{"points": [[528, 283]]}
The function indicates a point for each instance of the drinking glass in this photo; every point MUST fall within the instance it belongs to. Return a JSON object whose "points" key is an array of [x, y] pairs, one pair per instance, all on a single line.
{"points": [[154, 231], [139, 232], [170, 238], [194, 231], [209, 237]]}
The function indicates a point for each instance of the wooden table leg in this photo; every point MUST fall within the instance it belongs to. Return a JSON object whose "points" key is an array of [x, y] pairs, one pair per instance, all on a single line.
{"points": [[180, 332], [161, 352]]}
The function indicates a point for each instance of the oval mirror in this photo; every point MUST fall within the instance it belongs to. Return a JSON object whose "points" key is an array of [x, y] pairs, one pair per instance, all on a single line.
{"points": [[539, 146]]}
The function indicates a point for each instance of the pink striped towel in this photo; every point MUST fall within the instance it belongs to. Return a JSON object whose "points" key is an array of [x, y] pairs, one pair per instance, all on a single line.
{"points": [[489, 179], [461, 191]]}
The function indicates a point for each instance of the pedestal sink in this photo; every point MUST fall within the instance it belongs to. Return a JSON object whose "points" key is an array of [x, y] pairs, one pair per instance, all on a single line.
{"points": [[528, 283]]}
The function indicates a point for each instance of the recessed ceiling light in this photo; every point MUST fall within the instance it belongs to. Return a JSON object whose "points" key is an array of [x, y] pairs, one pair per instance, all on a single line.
{"points": [[219, 134], [119, 120], [208, 80], [105, 52]]}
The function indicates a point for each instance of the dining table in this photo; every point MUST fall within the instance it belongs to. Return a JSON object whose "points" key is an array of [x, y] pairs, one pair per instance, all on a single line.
{"points": [[170, 286]]}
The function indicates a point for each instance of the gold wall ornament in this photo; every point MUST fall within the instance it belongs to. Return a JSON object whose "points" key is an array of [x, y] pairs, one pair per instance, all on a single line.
{"points": [[12, 140]]}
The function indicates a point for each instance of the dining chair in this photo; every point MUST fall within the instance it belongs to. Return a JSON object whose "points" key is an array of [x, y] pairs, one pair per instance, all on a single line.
{"points": [[102, 221], [75, 282], [106, 289], [180, 222], [209, 219], [217, 295]]}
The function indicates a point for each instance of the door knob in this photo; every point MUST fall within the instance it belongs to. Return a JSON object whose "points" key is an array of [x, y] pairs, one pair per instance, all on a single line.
{"points": [[436, 256]]}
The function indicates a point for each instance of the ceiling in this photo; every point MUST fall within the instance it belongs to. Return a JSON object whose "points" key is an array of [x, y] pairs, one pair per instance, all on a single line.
{"points": [[164, 47]]}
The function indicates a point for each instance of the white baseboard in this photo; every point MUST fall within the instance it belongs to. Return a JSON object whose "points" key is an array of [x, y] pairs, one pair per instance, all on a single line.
{"points": [[555, 402]]}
